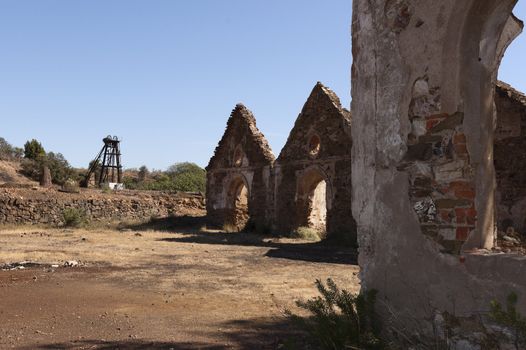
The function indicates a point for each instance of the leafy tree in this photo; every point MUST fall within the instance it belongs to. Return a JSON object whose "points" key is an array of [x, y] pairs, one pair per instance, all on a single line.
{"points": [[59, 167], [7, 152], [188, 177], [57, 164], [185, 177], [34, 150]]}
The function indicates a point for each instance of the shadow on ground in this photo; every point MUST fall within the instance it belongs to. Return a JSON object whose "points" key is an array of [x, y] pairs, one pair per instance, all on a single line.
{"points": [[248, 334], [181, 224], [192, 229]]}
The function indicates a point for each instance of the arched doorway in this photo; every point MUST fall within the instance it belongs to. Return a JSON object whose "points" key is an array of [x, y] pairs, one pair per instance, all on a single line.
{"points": [[237, 205], [312, 201]]}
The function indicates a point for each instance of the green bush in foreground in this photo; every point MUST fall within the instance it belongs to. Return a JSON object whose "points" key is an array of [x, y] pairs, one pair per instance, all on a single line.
{"points": [[340, 320], [74, 217]]}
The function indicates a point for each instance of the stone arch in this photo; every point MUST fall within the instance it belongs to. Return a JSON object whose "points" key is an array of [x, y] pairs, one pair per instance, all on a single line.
{"points": [[313, 199], [237, 203], [488, 30]]}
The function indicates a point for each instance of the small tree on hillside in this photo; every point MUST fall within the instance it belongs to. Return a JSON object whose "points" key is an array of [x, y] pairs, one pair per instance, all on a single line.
{"points": [[34, 150], [7, 152]]}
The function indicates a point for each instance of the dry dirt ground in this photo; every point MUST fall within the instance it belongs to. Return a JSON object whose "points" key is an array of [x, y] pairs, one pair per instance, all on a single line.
{"points": [[144, 289]]}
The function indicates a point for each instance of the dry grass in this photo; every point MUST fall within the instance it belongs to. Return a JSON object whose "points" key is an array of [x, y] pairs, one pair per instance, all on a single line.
{"points": [[307, 233]]}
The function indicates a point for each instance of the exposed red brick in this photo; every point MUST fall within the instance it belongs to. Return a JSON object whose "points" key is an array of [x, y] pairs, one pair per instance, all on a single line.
{"points": [[440, 116], [430, 124], [459, 138], [471, 216], [462, 233], [460, 214], [465, 194], [461, 149]]}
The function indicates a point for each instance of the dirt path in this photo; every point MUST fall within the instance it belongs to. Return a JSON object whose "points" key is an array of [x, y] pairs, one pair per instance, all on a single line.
{"points": [[157, 290]]}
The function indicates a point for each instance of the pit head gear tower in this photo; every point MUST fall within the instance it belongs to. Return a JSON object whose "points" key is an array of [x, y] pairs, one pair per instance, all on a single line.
{"points": [[109, 162]]}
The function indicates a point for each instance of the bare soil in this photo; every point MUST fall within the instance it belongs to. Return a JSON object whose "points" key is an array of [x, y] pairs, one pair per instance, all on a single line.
{"points": [[146, 289], [10, 174]]}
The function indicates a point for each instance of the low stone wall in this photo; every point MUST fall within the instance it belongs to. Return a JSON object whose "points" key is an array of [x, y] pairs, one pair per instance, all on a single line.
{"points": [[46, 206]]}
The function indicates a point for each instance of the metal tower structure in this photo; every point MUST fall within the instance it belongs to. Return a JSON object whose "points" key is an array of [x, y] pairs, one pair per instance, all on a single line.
{"points": [[109, 161]]}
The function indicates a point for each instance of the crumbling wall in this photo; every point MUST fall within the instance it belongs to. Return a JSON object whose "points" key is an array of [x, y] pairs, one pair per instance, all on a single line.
{"points": [[243, 158], [423, 177], [46, 206], [318, 149], [510, 158]]}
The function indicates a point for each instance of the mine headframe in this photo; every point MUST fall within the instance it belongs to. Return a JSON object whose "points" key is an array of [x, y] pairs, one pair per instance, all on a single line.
{"points": [[107, 165]]}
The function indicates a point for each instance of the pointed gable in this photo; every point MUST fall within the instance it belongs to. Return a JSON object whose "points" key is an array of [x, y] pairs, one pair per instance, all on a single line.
{"points": [[324, 119], [242, 139]]}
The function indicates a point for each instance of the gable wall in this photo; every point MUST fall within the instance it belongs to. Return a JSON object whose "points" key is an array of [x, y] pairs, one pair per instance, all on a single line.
{"points": [[273, 186], [323, 117], [243, 139]]}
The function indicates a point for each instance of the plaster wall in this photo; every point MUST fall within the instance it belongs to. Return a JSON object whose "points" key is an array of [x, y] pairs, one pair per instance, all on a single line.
{"points": [[423, 82]]}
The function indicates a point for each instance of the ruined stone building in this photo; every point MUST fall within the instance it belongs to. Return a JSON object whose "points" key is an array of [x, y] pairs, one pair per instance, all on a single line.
{"points": [[308, 186], [510, 158], [426, 162], [312, 175], [238, 174]]}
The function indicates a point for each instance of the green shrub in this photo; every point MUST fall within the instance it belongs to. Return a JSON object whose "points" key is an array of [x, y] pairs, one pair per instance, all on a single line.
{"points": [[33, 150], [306, 233], [184, 177], [510, 318], [340, 320], [74, 217]]}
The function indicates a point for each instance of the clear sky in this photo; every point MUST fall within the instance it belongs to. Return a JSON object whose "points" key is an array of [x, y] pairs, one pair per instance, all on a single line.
{"points": [[164, 75]]}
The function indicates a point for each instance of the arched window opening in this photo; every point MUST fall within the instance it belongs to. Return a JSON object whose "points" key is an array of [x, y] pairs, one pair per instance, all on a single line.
{"points": [[318, 208], [238, 157], [314, 146], [510, 142], [237, 206], [312, 202]]}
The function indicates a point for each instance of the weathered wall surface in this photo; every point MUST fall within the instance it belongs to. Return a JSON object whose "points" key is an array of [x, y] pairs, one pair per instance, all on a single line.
{"points": [[510, 158], [46, 206], [423, 177], [242, 158], [318, 148]]}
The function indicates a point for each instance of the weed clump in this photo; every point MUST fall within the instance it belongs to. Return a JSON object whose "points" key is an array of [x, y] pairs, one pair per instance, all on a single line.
{"points": [[339, 320], [306, 233], [510, 318], [74, 217]]}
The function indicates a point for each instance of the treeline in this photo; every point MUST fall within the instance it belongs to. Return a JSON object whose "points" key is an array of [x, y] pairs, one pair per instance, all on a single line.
{"points": [[185, 177], [33, 158]]}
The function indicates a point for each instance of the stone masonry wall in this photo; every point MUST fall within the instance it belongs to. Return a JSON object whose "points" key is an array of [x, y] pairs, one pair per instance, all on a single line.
{"points": [[510, 158], [46, 206], [318, 147], [243, 157], [423, 173]]}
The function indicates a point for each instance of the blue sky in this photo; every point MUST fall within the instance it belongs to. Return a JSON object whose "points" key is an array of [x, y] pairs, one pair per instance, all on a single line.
{"points": [[164, 75]]}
